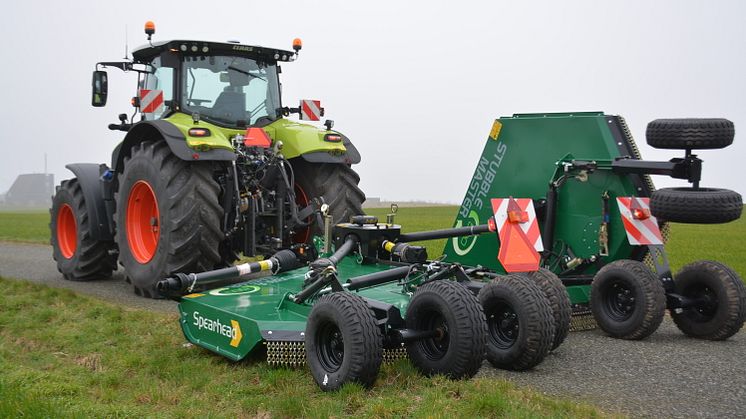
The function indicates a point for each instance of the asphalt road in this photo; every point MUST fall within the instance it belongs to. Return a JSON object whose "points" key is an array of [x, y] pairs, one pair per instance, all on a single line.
{"points": [[666, 375]]}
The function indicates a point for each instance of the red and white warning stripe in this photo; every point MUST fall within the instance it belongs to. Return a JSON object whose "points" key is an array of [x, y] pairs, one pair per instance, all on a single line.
{"points": [[310, 110], [639, 231], [531, 227], [151, 101]]}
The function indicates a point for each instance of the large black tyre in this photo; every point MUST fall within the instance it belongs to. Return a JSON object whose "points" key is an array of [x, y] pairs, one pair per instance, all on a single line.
{"points": [[721, 308], [457, 351], [520, 322], [79, 257], [559, 301], [185, 217], [696, 206], [343, 342], [690, 133], [627, 300], [336, 183]]}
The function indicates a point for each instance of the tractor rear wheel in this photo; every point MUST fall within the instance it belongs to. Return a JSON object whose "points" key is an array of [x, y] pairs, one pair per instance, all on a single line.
{"points": [[627, 300], [337, 183], [520, 322], [690, 133], [451, 312], [559, 301], [343, 341], [167, 217], [79, 257], [720, 308]]}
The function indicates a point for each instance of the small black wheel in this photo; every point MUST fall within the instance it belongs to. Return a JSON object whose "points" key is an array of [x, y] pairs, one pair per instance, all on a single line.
{"points": [[627, 300], [520, 322], [720, 301], [690, 133], [451, 311], [343, 342], [559, 300], [696, 206], [79, 257]]}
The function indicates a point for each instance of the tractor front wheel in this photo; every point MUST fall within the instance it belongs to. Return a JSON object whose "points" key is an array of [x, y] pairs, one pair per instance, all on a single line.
{"points": [[520, 322], [167, 217], [451, 313], [719, 296], [343, 342], [79, 257], [627, 300]]}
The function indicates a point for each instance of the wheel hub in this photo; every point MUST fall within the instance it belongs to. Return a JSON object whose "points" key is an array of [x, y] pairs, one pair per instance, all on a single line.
{"points": [[67, 231], [142, 222]]}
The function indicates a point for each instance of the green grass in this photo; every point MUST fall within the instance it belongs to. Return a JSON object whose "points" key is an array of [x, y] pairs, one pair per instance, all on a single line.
{"points": [[25, 226], [64, 355]]}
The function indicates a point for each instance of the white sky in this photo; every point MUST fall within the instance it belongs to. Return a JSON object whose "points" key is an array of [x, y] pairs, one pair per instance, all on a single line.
{"points": [[415, 85]]}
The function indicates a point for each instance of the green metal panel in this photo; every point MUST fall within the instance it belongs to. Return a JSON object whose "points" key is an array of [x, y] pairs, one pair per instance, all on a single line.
{"points": [[261, 310], [520, 159]]}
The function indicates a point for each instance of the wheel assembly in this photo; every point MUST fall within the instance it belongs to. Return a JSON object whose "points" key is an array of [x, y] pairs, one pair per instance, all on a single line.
{"points": [[78, 255], [627, 300], [559, 301], [343, 342], [715, 301], [452, 314], [690, 133], [168, 217], [520, 322]]}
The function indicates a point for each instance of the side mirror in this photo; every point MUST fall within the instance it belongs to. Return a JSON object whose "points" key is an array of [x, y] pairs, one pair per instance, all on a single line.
{"points": [[100, 86]]}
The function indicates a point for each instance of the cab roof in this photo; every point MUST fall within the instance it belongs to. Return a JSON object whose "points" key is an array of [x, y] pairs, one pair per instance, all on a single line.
{"points": [[146, 53]]}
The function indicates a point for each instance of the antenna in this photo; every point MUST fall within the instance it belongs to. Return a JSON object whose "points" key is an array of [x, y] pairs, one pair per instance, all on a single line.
{"points": [[126, 52], [45, 163]]}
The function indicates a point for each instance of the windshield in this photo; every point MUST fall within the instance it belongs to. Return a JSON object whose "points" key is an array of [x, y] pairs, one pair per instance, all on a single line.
{"points": [[230, 90]]}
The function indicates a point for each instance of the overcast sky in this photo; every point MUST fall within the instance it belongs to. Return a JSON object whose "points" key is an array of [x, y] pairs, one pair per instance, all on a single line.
{"points": [[415, 85]]}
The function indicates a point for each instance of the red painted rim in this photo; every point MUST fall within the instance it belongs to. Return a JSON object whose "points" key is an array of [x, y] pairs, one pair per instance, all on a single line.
{"points": [[301, 199], [142, 222], [67, 231]]}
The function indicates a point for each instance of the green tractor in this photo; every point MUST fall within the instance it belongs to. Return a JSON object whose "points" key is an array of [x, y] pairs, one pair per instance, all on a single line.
{"points": [[211, 168]]}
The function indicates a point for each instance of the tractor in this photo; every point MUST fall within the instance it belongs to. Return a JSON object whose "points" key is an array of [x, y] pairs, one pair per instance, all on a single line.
{"points": [[210, 167]]}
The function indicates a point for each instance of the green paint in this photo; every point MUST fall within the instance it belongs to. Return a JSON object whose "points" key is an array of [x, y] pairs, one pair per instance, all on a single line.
{"points": [[522, 161]]}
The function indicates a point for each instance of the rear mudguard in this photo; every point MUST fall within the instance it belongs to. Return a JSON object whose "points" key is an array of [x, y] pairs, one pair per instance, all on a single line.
{"points": [[161, 129], [92, 179], [351, 156]]}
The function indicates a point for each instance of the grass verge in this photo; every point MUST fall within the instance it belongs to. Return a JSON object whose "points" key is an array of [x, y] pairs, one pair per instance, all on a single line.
{"points": [[25, 226], [66, 355]]}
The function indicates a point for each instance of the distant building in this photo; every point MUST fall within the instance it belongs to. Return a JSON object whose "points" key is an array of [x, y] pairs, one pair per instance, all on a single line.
{"points": [[31, 190]]}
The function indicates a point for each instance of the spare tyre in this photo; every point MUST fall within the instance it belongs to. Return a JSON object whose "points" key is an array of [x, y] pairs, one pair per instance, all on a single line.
{"points": [[696, 206], [690, 133]]}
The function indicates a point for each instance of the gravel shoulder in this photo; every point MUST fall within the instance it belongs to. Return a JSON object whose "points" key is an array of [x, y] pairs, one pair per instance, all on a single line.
{"points": [[666, 375]]}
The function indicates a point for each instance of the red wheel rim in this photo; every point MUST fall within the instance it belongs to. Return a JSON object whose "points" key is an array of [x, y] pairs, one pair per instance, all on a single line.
{"points": [[142, 222], [301, 199], [67, 231]]}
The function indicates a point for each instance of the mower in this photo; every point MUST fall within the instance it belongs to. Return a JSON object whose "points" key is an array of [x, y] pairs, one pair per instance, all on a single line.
{"points": [[602, 222]]}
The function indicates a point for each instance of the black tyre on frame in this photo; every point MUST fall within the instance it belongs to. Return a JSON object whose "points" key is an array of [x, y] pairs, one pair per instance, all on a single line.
{"points": [[520, 322], [720, 296], [451, 311], [343, 342], [627, 300], [559, 301]]}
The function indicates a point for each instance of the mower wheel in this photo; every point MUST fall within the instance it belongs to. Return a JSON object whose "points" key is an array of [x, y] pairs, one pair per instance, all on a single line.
{"points": [[520, 322], [336, 183], [78, 256], [627, 300], [451, 311], [690, 133], [343, 341], [696, 206], [559, 301], [720, 295], [168, 217]]}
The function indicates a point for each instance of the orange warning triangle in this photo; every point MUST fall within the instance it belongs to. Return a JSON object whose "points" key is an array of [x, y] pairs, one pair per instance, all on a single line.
{"points": [[517, 253]]}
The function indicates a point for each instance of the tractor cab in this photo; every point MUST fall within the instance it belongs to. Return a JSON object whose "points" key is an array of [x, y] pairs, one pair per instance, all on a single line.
{"points": [[227, 84]]}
